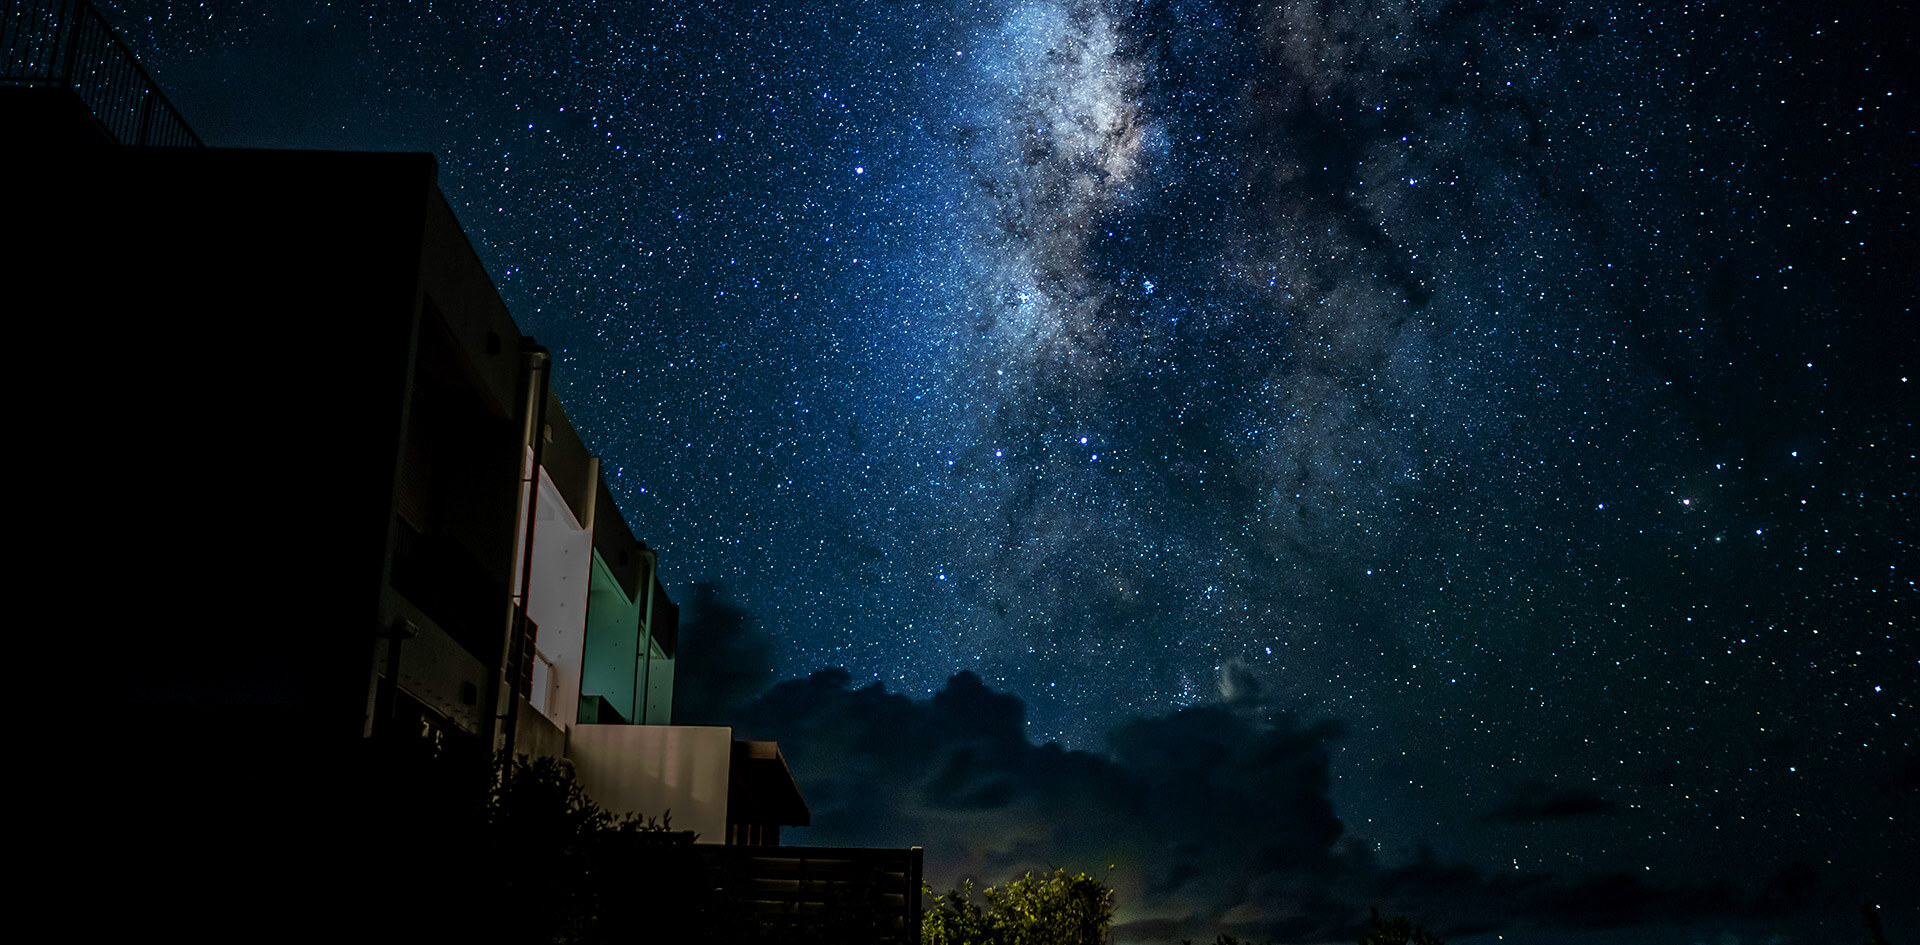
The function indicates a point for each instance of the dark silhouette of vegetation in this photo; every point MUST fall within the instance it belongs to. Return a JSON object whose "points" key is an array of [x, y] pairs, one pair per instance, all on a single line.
{"points": [[1875, 934], [573, 872], [1036, 909], [596, 877], [1396, 931]]}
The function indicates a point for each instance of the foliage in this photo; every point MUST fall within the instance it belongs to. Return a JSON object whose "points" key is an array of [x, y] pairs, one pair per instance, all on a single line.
{"points": [[525, 833], [1396, 931], [587, 876], [1052, 909]]}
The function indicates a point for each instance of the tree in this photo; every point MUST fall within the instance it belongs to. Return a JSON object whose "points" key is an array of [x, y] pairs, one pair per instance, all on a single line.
{"points": [[1053, 909], [1396, 931], [524, 855], [587, 876]]}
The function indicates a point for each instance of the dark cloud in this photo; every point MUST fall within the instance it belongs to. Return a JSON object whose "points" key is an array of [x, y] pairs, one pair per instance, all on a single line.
{"points": [[1213, 818], [1212, 815], [1536, 800], [723, 661]]}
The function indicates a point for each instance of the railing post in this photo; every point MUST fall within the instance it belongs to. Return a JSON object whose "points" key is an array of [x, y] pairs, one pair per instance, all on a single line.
{"points": [[146, 116], [63, 29], [69, 44]]}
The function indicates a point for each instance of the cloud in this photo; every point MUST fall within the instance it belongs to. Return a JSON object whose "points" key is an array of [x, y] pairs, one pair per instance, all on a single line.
{"points": [[723, 660], [1208, 815], [1213, 819], [1537, 800]]}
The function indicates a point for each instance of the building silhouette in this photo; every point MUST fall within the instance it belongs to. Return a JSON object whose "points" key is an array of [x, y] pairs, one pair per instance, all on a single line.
{"points": [[305, 487]]}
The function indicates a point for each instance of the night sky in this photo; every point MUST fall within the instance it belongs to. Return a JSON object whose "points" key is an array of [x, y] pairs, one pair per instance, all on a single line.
{"points": [[1457, 457]]}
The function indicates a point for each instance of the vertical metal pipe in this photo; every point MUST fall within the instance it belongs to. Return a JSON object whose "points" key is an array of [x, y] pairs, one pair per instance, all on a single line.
{"points": [[591, 505], [505, 680], [643, 670]]}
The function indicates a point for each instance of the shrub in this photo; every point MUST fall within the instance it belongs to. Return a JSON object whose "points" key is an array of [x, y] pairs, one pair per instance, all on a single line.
{"points": [[1051, 909]]}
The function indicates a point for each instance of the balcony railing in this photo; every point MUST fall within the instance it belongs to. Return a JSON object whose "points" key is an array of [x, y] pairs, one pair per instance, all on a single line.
{"points": [[543, 688], [67, 44], [864, 896]]}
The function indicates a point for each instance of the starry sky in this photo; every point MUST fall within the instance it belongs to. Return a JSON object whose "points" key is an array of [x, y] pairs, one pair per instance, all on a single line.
{"points": [[1454, 456]]}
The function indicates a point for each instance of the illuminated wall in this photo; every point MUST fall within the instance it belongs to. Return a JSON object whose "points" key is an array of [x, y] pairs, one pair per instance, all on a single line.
{"points": [[611, 665], [557, 598], [657, 769], [659, 686]]}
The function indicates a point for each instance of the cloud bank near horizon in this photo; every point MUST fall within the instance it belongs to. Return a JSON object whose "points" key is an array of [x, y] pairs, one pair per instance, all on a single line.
{"points": [[1214, 818]]}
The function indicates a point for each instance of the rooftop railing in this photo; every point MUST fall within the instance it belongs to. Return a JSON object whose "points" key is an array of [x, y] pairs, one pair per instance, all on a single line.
{"points": [[67, 44]]}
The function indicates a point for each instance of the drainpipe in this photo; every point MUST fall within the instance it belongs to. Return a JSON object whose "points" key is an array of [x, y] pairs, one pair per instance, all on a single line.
{"points": [[643, 667], [588, 507], [591, 505], [505, 683]]}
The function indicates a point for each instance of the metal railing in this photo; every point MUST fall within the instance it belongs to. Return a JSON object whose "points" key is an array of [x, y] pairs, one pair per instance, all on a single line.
{"points": [[67, 44], [858, 895]]}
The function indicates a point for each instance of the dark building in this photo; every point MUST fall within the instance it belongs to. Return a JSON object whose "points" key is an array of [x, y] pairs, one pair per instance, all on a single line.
{"points": [[305, 489]]}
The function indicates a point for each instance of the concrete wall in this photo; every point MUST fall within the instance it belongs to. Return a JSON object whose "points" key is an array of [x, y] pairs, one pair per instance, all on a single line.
{"points": [[557, 598], [535, 735], [611, 666], [659, 689], [242, 372], [658, 769], [435, 670]]}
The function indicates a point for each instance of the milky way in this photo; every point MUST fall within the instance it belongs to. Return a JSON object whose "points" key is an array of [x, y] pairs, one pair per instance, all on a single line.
{"points": [[1520, 391]]}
